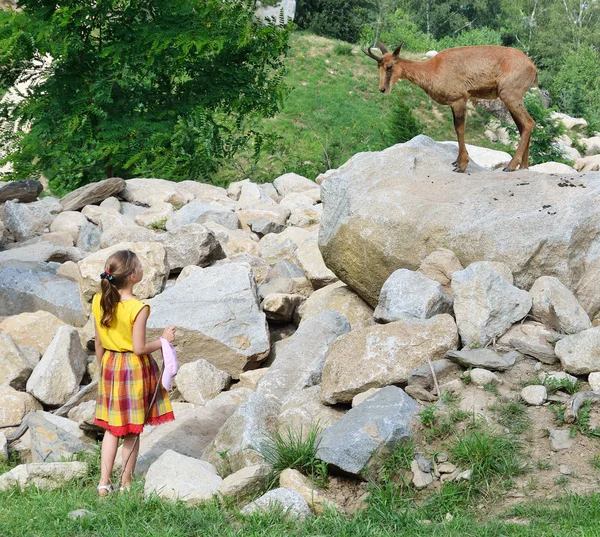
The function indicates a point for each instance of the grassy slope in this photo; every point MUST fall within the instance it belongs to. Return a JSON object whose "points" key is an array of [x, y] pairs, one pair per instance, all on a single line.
{"points": [[334, 110]]}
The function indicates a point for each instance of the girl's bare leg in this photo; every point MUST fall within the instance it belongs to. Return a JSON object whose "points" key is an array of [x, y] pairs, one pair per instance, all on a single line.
{"points": [[127, 449], [110, 443]]}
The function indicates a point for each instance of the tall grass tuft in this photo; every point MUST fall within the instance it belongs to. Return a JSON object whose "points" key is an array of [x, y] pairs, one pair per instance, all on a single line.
{"points": [[296, 450]]}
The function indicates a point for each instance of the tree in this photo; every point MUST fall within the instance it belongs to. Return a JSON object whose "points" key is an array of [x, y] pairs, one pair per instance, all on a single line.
{"points": [[164, 88]]}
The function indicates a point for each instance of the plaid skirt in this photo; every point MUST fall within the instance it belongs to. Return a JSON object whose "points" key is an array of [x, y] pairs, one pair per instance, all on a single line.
{"points": [[125, 390]]}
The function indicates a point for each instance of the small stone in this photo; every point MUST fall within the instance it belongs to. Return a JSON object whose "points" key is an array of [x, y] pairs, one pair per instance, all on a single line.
{"points": [[446, 468], [535, 395], [449, 517], [537, 366], [560, 439], [463, 476], [424, 463], [594, 381], [441, 457], [420, 479], [79, 513], [565, 470], [481, 377], [419, 393]]}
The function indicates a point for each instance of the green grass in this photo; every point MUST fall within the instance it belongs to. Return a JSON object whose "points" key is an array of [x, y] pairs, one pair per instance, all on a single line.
{"points": [[513, 415], [334, 110]]}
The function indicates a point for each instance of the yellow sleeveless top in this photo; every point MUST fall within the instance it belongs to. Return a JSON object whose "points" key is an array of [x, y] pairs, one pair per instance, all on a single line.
{"points": [[118, 336]]}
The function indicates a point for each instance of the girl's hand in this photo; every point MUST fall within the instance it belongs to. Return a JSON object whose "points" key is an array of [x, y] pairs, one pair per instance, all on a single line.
{"points": [[169, 333]]}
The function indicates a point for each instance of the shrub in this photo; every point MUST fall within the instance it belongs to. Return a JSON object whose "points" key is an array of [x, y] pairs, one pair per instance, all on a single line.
{"points": [[402, 125], [339, 19], [478, 36], [342, 49], [396, 29]]}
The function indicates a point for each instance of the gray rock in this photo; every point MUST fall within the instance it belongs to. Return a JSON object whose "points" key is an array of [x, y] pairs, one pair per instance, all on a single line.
{"points": [[70, 222], [37, 255], [89, 237], [411, 295], [15, 369], [244, 482], [127, 233], [198, 213], [44, 476], [177, 477], [375, 426], [14, 406], [92, 194], [200, 381], [79, 513], [292, 182], [534, 395], [25, 221], [420, 479], [420, 394], [388, 210], [579, 354], [262, 226], [24, 191], [421, 376], [481, 377], [556, 307], [381, 355], [27, 290], [149, 192], [560, 439], [52, 442], [565, 470], [484, 358], [299, 365], [58, 375], [281, 307], [424, 463], [192, 244], [531, 339], [189, 434], [485, 304], [289, 501], [217, 315]]}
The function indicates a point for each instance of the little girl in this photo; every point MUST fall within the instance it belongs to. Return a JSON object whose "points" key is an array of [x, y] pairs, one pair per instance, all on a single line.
{"points": [[128, 373]]}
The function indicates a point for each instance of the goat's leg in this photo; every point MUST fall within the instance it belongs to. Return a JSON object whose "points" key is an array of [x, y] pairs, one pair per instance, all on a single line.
{"points": [[459, 112], [525, 125]]}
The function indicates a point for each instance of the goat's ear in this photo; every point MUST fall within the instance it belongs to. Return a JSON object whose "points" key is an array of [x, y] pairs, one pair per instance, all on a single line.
{"points": [[382, 47], [398, 49]]}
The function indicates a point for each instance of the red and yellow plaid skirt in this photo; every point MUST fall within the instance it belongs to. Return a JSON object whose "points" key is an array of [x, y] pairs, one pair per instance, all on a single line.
{"points": [[125, 390]]}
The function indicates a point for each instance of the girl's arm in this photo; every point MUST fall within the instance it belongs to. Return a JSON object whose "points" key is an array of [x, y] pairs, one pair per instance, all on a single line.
{"points": [[139, 334], [98, 346]]}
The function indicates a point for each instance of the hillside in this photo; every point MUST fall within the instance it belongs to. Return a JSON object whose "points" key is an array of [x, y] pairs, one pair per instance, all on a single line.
{"points": [[334, 110]]}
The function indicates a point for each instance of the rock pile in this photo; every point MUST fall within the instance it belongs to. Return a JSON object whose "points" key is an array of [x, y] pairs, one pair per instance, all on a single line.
{"points": [[444, 273]]}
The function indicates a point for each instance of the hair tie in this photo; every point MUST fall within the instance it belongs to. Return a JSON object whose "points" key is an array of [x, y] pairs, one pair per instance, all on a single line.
{"points": [[106, 276]]}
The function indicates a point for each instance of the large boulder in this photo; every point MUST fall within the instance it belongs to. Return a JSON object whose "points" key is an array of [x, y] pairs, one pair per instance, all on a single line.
{"points": [[199, 213], [192, 244], [14, 366], [389, 210], [283, 500], [25, 221], [153, 257], [32, 329], [299, 365], [556, 307], [217, 315], [381, 355], [15, 405], [57, 377], [200, 381], [24, 191], [70, 222], [177, 477], [374, 427], [92, 194], [340, 298], [485, 304], [28, 290], [43, 476], [151, 192], [579, 354]]}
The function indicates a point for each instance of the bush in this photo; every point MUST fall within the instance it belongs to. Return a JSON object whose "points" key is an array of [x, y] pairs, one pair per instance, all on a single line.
{"points": [[542, 147], [339, 19], [479, 36], [575, 88], [402, 125], [396, 29], [342, 49]]}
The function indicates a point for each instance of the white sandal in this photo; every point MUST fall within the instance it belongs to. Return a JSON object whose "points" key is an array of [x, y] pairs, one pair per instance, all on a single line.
{"points": [[108, 488]]}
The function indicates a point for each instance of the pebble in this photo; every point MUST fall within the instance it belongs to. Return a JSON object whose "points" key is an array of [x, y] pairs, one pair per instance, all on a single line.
{"points": [[424, 464], [565, 470], [420, 479], [534, 395], [441, 457], [446, 468], [560, 439], [481, 377], [79, 513]]}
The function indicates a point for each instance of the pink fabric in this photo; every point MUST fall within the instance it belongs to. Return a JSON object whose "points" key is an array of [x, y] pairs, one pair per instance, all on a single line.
{"points": [[170, 361]]}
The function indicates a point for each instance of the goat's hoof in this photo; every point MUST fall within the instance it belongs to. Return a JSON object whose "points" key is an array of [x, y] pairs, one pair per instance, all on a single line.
{"points": [[455, 163], [458, 170], [507, 169]]}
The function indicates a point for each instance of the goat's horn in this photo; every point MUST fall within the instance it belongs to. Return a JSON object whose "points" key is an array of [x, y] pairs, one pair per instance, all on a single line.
{"points": [[382, 47], [398, 49], [371, 55]]}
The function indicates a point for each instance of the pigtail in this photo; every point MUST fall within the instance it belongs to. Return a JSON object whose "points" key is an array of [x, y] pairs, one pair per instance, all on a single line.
{"points": [[118, 268]]}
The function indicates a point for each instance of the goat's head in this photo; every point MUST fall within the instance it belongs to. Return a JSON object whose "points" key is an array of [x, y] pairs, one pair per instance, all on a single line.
{"points": [[390, 67]]}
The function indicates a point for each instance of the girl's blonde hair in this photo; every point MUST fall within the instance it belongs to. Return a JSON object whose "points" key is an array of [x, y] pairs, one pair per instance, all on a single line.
{"points": [[117, 270]]}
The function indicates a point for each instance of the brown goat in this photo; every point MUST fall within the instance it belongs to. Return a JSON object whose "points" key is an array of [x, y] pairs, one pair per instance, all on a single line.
{"points": [[456, 75]]}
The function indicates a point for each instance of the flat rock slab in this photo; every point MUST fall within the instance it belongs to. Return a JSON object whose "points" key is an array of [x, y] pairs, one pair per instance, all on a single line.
{"points": [[388, 210], [44, 476], [92, 194], [376, 425], [484, 358], [26, 290]]}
